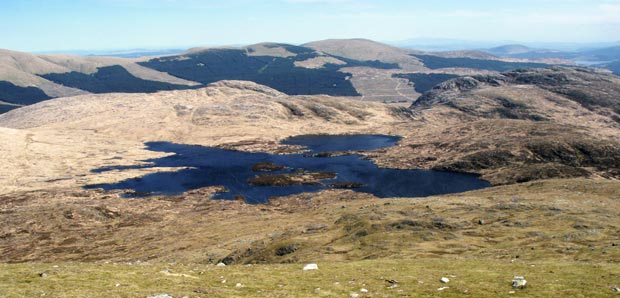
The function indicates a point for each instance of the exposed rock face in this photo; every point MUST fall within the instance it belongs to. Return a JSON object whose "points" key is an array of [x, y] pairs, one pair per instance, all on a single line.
{"points": [[240, 86]]}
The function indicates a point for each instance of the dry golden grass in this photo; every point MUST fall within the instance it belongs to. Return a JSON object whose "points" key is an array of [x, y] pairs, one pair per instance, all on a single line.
{"points": [[573, 220]]}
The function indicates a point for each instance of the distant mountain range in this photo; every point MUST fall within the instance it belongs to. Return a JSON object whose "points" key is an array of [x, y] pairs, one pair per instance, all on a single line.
{"points": [[338, 67], [444, 44], [129, 53]]}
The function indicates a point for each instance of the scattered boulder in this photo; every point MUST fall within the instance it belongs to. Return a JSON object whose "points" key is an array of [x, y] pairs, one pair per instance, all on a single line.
{"points": [[519, 282], [43, 274], [616, 289], [444, 280], [442, 288], [311, 266], [391, 281], [220, 264], [354, 295]]}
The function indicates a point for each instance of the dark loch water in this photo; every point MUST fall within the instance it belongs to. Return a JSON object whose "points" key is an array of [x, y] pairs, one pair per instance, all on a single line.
{"points": [[208, 166]]}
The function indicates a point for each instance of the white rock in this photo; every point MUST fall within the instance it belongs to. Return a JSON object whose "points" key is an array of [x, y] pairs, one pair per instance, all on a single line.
{"points": [[364, 290], [223, 281], [117, 285], [442, 288], [311, 267], [220, 264], [161, 296], [354, 295], [239, 285], [616, 289], [444, 280], [519, 282]]}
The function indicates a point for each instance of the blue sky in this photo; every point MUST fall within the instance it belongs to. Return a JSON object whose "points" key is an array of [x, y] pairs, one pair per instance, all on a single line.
{"points": [[48, 25]]}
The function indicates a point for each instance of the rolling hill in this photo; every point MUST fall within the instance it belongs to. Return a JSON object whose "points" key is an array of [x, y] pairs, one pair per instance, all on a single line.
{"points": [[353, 67]]}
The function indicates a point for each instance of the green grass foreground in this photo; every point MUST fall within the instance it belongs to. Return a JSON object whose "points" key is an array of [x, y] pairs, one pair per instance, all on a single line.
{"points": [[416, 278]]}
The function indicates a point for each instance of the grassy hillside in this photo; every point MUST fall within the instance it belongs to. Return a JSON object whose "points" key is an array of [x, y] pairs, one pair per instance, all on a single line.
{"points": [[416, 278], [435, 62], [279, 73], [21, 95], [560, 234], [110, 79]]}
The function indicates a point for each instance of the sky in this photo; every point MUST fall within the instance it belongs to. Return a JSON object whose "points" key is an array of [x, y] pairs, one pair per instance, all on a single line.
{"points": [[56, 25]]}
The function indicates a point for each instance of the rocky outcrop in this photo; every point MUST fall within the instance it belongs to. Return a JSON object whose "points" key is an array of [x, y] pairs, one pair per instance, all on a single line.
{"points": [[597, 92], [521, 125]]}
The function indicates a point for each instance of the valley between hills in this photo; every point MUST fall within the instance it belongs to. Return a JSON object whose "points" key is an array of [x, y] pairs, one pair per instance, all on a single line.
{"points": [[547, 139]]}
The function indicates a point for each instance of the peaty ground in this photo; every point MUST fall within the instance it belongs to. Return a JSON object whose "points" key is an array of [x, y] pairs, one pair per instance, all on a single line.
{"points": [[562, 235]]}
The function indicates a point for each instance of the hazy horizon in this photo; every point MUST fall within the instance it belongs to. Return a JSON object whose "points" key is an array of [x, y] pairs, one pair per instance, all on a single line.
{"points": [[107, 25]]}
